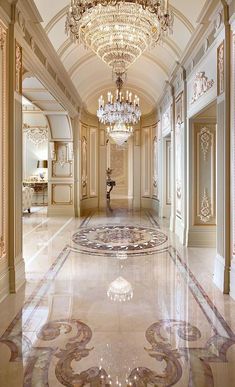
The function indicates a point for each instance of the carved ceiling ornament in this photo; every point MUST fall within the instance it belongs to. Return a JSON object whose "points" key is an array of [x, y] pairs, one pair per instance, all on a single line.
{"points": [[3, 36], [205, 210], [220, 68], [201, 85], [36, 134], [18, 68], [205, 141]]}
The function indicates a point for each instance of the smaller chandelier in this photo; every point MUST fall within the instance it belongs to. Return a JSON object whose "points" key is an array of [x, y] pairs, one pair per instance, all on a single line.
{"points": [[120, 290], [120, 107], [120, 132]]}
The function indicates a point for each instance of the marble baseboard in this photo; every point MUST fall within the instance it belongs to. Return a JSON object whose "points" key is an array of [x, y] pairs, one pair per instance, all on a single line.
{"points": [[232, 280], [180, 230], [19, 274], [4, 284], [219, 272]]}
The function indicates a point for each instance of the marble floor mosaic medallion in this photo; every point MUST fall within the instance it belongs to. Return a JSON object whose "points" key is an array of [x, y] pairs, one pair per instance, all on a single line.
{"points": [[117, 238]]}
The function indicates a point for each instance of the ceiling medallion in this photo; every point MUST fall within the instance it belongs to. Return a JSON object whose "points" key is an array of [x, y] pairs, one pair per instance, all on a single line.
{"points": [[119, 31]]}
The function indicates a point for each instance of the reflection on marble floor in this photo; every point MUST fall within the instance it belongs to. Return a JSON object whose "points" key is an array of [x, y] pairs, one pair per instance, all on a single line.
{"points": [[76, 323]]}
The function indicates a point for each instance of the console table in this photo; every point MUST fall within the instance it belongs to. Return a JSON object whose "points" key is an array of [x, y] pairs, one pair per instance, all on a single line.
{"points": [[40, 191]]}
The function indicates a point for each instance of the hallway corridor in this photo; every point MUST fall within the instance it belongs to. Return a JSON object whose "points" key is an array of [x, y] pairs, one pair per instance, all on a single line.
{"points": [[112, 298]]}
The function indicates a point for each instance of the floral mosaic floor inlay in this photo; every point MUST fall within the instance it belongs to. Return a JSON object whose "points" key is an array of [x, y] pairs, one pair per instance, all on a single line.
{"points": [[116, 238], [69, 332]]}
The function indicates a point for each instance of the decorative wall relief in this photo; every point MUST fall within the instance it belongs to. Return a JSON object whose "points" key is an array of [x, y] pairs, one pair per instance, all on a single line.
{"points": [[168, 172], [204, 173], [179, 119], [155, 162], [220, 68], [146, 162], [18, 68], [119, 165], [205, 141], [3, 142], [201, 85], [93, 162], [166, 121], [3, 35], [205, 210], [62, 163], [36, 134], [52, 150], [84, 167]]}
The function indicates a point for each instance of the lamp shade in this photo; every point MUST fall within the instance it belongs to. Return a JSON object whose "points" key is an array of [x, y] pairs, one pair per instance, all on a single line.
{"points": [[42, 164]]}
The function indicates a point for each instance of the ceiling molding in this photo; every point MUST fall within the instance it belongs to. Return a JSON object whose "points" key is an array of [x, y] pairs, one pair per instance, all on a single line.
{"points": [[183, 19], [75, 67]]}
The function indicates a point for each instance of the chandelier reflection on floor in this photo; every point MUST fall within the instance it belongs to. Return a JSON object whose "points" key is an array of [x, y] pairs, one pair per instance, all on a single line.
{"points": [[120, 290], [119, 31]]}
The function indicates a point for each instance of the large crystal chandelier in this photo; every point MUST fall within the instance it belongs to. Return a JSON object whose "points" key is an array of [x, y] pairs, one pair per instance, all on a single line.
{"points": [[119, 31], [120, 107]]}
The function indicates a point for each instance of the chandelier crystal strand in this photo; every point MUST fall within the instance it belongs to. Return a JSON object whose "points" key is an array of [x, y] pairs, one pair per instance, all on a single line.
{"points": [[119, 31]]}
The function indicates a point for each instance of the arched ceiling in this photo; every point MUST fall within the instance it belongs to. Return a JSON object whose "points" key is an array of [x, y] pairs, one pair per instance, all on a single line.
{"points": [[146, 76]]}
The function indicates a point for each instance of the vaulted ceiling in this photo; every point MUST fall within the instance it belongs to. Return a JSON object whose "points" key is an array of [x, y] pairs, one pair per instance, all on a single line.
{"points": [[146, 76]]}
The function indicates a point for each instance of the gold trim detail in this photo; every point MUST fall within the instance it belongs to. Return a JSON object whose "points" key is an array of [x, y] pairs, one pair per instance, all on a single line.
{"points": [[18, 68], [61, 203]]}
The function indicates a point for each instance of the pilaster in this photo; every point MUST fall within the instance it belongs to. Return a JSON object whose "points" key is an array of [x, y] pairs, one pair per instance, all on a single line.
{"points": [[16, 262], [223, 256]]}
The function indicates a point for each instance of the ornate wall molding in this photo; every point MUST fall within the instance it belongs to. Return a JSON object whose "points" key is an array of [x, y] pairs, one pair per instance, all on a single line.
{"points": [[204, 173], [201, 85], [36, 134], [205, 141], [84, 167], [18, 68], [205, 210], [93, 162], [155, 166], [146, 162], [3, 143], [3, 35], [220, 68], [62, 194], [179, 126]]}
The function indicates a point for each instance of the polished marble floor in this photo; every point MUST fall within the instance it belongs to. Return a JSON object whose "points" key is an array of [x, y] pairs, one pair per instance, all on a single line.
{"points": [[113, 299]]}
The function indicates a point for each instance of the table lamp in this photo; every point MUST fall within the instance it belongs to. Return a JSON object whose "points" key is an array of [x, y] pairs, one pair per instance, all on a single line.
{"points": [[42, 164]]}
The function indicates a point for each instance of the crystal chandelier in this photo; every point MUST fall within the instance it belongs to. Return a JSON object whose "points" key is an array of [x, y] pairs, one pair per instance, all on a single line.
{"points": [[120, 290], [119, 31], [120, 108], [119, 132]]}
